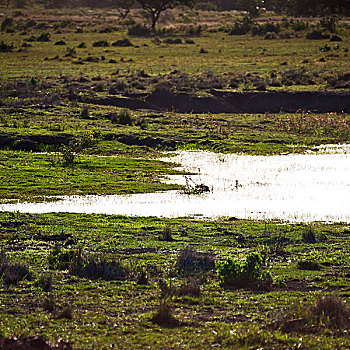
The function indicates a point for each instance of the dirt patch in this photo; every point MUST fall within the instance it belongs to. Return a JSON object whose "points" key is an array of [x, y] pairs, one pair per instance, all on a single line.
{"points": [[234, 102]]}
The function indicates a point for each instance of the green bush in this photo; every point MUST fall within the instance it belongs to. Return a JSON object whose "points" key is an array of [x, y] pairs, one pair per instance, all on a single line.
{"points": [[250, 273]]}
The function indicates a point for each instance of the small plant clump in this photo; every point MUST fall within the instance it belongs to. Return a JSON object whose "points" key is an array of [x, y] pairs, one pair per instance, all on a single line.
{"points": [[164, 315], [12, 273], [247, 274], [190, 261]]}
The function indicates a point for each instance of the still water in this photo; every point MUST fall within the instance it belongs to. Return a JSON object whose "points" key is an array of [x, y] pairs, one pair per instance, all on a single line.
{"points": [[298, 188]]}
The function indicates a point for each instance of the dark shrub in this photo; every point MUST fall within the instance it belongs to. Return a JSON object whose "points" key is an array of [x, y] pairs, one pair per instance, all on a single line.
{"points": [[241, 26], [81, 46], [190, 261], [44, 37], [310, 265], [317, 34], [97, 268], [100, 43], [332, 308], [12, 273], [92, 59], [139, 30], [270, 36], [60, 42], [309, 236], [164, 315], [6, 47], [263, 29], [335, 37], [122, 43], [44, 282]]}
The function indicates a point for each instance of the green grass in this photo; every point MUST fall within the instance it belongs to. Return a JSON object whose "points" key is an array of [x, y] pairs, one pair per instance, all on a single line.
{"points": [[120, 313]]}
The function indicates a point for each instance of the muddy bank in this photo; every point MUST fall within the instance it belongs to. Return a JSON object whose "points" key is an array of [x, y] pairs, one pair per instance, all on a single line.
{"points": [[234, 102]]}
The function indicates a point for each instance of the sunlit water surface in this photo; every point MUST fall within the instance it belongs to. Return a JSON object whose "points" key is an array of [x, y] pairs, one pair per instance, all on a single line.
{"points": [[297, 188]]}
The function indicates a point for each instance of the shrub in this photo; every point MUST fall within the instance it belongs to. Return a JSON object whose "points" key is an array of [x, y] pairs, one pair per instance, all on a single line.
{"points": [[44, 37], [190, 261], [97, 268], [329, 311], [164, 315], [191, 287], [60, 42], [167, 234], [270, 36], [44, 282], [263, 29], [100, 43], [309, 235], [241, 26], [329, 23], [124, 118], [309, 265], [59, 259], [335, 37], [331, 307], [122, 43], [139, 29], [12, 273], [236, 274], [81, 46], [4, 47], [317, 34]]}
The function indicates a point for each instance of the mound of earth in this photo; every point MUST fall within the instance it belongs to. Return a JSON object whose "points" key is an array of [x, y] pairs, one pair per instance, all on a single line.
{"points": [[234, 102]]}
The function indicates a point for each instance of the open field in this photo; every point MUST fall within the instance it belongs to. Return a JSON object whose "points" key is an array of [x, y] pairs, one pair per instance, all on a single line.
{"points": [[79, 115]]}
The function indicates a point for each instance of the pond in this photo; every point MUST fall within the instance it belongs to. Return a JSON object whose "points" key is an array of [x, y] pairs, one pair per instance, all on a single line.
{"points": [[314, 186]]}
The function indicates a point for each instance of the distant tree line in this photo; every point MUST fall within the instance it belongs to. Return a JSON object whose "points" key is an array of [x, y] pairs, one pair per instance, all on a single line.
{"points": [[287, 7]]}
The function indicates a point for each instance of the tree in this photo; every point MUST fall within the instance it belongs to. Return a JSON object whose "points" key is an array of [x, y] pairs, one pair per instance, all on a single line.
{"points": [[155, 7], [123, 7]]}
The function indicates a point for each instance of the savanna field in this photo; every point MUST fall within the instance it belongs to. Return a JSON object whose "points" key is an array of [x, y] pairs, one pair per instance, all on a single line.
{"points": [[90, 99]]}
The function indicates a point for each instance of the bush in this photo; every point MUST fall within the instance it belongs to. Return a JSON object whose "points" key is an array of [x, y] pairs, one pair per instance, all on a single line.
{"points": [[335, 37], [44, 37], [317, 34], [59, 259], [263, 29], [60, 42], [97, 268], [123, 118], [139, 30], [44, 282], [236, 274], [12, 273], [100, 43], [6, 47], [190, 261], [331, 307], [122, 43], [164, 315], [309, 265], [241, 26]]}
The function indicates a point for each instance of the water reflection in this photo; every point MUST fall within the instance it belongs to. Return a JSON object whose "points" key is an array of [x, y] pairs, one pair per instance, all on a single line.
{"points": [[307, 187]]}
